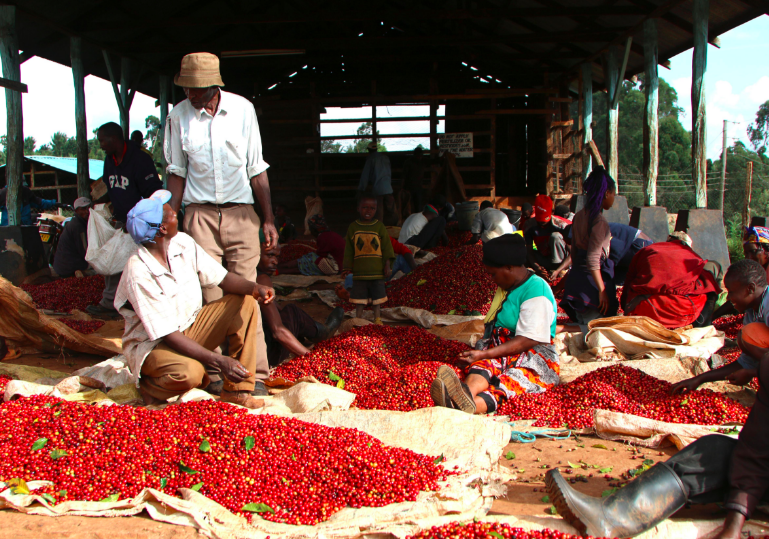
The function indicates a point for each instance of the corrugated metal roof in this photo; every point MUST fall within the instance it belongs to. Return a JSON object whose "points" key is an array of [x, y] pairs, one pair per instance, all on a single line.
{"points": [[69, 164]]}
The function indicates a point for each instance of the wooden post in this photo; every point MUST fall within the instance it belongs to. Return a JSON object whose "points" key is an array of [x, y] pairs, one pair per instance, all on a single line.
{"points": [[651, 114], [433, 133], [373, 112], [700, 11], [587, 117], [81, 131], [723, 169], [748, 191], [163, 98], [493, 146], [14, 170], [125, 77], [613, 85], [56, 183]]}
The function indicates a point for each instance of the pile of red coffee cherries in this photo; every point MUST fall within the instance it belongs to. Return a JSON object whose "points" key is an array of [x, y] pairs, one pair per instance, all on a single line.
{"points": [[731, 325], [295, 249], [487, 530], [622, 389], [65, 295], [454, 283], [83, 326], [282, 469], [388, 368]]}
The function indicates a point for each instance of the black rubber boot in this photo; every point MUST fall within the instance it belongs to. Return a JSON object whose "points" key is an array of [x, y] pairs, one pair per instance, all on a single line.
{"points": [[333, 322], [638, 506]]}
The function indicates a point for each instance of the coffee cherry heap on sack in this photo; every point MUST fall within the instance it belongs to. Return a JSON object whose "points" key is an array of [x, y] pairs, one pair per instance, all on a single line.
{"points": [[282, 469], [388, 368]]}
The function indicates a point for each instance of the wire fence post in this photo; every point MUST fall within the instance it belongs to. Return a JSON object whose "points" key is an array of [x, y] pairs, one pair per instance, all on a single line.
{"points": [[748, 191]]}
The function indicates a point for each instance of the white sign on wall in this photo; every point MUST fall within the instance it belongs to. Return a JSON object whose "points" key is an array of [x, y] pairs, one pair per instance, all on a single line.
{"points": [[460, 144]]}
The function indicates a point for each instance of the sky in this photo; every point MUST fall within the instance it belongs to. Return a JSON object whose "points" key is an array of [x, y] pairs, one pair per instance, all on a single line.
{"points": [[737, 82]]}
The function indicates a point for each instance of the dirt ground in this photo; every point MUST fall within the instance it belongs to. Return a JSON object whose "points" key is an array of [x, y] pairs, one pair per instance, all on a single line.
{"points": [[524, 497]]}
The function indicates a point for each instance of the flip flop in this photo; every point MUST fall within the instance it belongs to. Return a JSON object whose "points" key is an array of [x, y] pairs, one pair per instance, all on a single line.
{"points": [[458, 392]]}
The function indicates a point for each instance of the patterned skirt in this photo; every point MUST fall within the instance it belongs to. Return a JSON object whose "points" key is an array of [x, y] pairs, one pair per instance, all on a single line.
{"points": [[534, 371]]}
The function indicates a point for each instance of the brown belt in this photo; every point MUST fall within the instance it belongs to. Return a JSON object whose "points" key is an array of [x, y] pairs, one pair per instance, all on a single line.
{"points": [[224, 206]]}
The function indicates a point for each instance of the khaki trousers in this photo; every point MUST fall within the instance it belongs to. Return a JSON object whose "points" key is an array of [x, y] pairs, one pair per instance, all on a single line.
{"points": [[166, 373], [231, 234]]}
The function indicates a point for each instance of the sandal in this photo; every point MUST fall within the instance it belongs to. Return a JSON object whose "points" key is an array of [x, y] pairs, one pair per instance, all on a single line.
{"points": [[458, 392]]}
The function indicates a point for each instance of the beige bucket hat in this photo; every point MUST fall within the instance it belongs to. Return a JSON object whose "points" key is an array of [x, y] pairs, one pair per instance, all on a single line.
{"points": [[199, 70]]}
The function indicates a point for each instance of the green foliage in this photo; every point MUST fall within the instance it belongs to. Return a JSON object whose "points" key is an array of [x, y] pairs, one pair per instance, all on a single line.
{"points": [[758, 132], [359, 145], [734, 238]]}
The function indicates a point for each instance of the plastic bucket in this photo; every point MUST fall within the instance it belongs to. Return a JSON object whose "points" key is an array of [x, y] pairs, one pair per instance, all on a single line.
{"points": [[514, 216], [466, 212]]}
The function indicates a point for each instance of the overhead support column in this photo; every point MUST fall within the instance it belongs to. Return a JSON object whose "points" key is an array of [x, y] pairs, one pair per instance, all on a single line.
{"points": [[700, 11], [125, 94], [651, 114], [81, 131], [612, 118], [587, 118], [14, 169], [163, 98]]}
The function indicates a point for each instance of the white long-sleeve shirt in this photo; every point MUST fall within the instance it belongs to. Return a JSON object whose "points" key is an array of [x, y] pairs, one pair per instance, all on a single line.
{"points": [[490, 223], [218, 155]]}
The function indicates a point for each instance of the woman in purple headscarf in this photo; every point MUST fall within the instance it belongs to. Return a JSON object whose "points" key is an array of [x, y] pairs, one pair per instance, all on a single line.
{"points": [[590, 292]]}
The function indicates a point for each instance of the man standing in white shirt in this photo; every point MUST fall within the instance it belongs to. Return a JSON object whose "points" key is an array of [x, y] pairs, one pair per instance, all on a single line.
{"points": [[215, 166], [489, 223]]}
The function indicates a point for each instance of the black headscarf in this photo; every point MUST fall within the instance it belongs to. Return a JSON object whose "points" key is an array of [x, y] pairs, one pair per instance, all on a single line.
{"points": [[505, 250]]}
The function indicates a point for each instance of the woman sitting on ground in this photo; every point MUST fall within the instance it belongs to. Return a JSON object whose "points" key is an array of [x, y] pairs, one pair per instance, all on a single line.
{"points": [[326, 259], [516, 354], [590, 291]]}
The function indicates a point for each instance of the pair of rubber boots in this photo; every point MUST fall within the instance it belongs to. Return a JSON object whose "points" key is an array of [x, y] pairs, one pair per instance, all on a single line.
{"points": [[638, 506]]}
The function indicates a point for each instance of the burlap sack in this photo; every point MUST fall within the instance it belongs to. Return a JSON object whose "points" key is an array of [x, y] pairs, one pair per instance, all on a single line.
{"points": [[28, 331]]}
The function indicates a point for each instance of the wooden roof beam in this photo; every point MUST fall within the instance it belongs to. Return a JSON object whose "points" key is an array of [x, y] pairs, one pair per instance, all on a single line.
{"points": [[310, 16]]}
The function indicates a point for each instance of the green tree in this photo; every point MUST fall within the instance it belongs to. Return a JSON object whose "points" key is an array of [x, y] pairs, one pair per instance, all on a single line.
{"points": [[29, 145], [94, 150], [329, 146], [758, 132], [360, 144]]}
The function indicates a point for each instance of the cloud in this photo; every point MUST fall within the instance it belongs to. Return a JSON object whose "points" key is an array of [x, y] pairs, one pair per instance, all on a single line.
{"points": [[49, 106], [759, 92], [724, 95]]}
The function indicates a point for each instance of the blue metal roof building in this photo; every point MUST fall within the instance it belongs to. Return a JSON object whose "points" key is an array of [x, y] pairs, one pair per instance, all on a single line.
{"points": [[55, 177], [69, 164]]}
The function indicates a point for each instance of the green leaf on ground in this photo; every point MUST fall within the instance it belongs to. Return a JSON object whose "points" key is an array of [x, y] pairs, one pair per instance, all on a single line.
{"points": [[509, 455], [546, 498], [58, 453], [600, 446], [187, 469], [333, 377], [47, 497], [552, 510], [39, 444], [609, 492], [497, 535], [163, 482], [608, 469], [340, 384], [420, 282], [205, 446], [249, 442], [111, 498], [258, 508], [196, 486], [439, 459], [575, 466]]}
